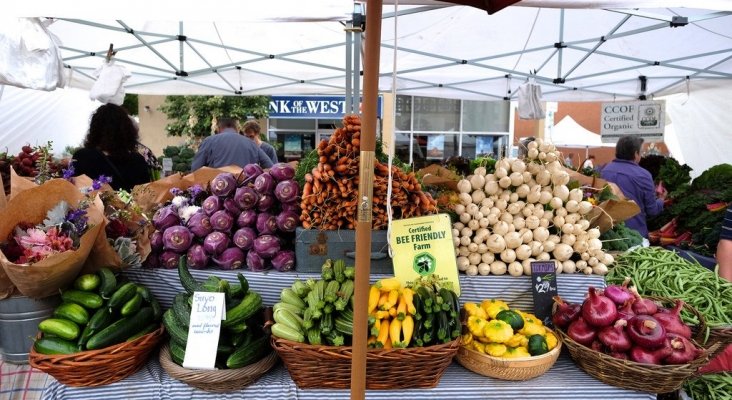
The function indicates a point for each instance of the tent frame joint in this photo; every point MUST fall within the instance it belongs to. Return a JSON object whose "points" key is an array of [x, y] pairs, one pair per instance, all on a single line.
{"points": [[560, 45], [181, 38], [558, 80], [678, 20], [181, 73]]}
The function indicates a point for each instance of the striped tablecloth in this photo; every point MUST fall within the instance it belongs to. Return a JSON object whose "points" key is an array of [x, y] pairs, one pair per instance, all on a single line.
{"points": [[564, 381]]}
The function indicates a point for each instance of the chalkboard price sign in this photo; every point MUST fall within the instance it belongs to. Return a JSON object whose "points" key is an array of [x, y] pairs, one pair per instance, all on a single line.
{"points": [[544, 288]]}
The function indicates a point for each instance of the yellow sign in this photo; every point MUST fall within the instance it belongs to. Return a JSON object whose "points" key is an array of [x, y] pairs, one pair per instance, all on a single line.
{"points": [[422, 247]]}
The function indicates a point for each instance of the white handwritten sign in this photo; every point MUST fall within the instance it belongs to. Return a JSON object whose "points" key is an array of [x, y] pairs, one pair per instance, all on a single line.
{"points": [[207, 312]]}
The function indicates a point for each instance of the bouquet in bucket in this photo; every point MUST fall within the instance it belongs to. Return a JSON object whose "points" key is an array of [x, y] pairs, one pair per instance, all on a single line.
{"points": [[47, 233]]}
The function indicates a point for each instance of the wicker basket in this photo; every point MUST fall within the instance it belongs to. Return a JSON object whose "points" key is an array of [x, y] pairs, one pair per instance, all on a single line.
{"points": [[629, 374], [329, 367], [512, 369], [721, 335], [220, 381], [98, 367]]}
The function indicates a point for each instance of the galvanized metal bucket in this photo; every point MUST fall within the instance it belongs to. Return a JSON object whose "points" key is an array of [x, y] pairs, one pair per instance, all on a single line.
{"points": [[19, 318]]}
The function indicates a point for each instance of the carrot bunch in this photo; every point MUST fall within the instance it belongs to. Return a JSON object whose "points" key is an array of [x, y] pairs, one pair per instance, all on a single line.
{"points": [[329, 198]]}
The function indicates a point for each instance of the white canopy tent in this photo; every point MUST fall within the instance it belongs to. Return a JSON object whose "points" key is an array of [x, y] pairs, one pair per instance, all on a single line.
{"points": [[291, 47], [568, 133]]}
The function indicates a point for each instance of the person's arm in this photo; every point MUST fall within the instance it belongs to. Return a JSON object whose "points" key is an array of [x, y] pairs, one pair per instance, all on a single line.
{"points": [[263, 159], [201, 157], [653, 205], [273, 154], [724, 259]]}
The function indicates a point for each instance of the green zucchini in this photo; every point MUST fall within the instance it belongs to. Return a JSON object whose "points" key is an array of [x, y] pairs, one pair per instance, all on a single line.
{"points": [[108, 282], [122, 295], [331, 292], [314, 336], [343, 325], [293, 309], [248, 354], [186, 279], [87, 282], [181, 309], [285, 332], [121, 330], [82, 298], [175, 330], [55, 345], [288, 318], [73, 312], [289, 296], [62, 328], [326, 323], [250, 305], [443, 328]]}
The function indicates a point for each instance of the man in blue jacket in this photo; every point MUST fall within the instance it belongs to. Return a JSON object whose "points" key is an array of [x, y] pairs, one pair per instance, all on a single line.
{"points": [[635, 182], [228, 147]]}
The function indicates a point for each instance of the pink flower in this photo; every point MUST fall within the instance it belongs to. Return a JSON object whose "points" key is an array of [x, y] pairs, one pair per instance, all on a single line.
{"points": [[34, 237]]}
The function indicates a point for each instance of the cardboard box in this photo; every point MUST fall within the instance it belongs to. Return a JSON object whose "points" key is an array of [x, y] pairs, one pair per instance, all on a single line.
{"points": [[313, 247]]}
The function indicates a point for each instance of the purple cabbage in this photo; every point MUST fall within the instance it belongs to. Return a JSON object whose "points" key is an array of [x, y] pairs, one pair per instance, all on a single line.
{"points": [[282, 171], [165, 217], [244, 238], [291, 206], [255, 262], [264, 183], [197, 257], [266, 201], [267, 246], [156, 241], [252, 171], [246, 197], [211, 205], [177, 238], [222, 221], [231, 258], [287, 221], [169, 259], [223, 184], [215, 243], [266, 223], [246, 218], [284, 260], [287, 191], [231, 206], [199, 224]]}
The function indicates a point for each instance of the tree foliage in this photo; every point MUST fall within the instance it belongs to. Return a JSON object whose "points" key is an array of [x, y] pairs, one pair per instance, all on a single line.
{"points": [[194, 115]]}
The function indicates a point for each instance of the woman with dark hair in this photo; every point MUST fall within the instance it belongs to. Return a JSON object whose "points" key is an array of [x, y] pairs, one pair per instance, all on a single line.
{"points": [[110, 149]]}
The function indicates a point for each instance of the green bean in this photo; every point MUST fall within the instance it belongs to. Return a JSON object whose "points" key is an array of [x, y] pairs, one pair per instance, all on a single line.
{"points": [[709, 387]]}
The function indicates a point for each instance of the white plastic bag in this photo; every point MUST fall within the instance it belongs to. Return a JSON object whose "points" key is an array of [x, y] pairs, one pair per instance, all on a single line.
{"points": [[29, 55], [108, 88], [529, 101]]}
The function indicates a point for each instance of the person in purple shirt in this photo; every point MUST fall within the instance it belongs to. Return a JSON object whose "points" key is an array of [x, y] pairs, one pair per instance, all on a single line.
{"points": [[635, 182]]}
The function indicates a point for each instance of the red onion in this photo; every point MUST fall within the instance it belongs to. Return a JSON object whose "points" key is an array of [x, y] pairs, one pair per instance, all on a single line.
{"points": [[646, 332], [581, 332], [618, 294], [597, 346], [671, 320], [645, 356], [683, 351], [598, 310], [619, 356], [565, 313], [626, 311], [615, 338], [643, 306]]}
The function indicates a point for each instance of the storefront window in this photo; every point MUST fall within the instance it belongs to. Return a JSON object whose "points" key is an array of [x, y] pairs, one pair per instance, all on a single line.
{"points": [[433, 148], [483, 145], [436, 115], [403, 113], [485, 116], [294, 146]]}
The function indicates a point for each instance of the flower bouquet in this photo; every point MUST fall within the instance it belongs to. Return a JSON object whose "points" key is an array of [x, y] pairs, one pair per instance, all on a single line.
{"points": [[46, 233]]}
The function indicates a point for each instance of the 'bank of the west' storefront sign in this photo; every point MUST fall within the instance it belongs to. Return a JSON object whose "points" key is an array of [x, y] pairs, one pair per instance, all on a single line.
{"points": [[326, 107]]}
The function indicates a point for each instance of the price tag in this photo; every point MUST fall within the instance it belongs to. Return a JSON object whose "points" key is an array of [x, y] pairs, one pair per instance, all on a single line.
{"points": [[544, 288], [167, 166], [423, 246], [207, 312]]}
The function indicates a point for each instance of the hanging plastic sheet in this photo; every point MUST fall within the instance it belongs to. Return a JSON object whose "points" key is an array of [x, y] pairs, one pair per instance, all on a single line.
{"points": [[29, 55], [109, 86], [529, 100]]}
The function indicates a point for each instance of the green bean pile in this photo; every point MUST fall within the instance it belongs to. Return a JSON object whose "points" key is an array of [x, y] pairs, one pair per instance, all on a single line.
{"points": [[659, 272], [710, 387]]}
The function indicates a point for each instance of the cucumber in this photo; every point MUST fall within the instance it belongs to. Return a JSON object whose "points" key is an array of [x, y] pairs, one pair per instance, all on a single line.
{"points": [[54, 345], [250, 305], [238, 328], [73, 312], [122, 295], [86, 299], [181, 309], [87, 282], [239, 339], [177, 332], [186, 279], [145, 293], [177, 352], [248, 354], [157, 310], [132, 305], [108, 282], [148, 329], [121, 330], [223, 348], [101, 319], [244, 283], [62, 328]]}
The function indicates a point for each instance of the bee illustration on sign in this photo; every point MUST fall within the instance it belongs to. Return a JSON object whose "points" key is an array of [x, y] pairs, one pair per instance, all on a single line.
{"points": [[424, 264], [649, 115]]}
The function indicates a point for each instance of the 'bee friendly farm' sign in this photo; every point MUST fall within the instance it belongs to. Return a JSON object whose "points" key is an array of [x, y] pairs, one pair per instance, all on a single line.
{"points": [[423, 246], [646, 119]]}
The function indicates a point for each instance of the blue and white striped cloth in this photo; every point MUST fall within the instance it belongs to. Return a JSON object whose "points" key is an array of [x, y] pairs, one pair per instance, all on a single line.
{"points": [[564, 381]]}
